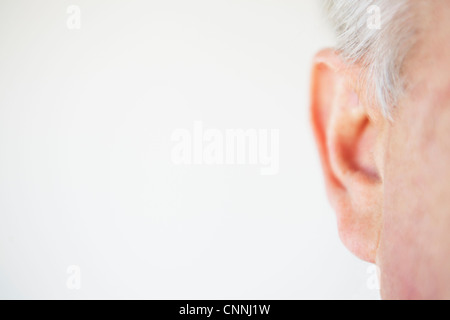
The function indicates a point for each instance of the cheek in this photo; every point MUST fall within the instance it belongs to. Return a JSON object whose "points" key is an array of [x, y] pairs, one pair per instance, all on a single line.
{"points": [[415, 241]]}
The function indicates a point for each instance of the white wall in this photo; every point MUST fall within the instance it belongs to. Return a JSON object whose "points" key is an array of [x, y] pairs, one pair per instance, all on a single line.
{"points": [[86, 174]]}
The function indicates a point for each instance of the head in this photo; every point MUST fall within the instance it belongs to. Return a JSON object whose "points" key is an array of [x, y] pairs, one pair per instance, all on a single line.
{"points": [[380, 109]]}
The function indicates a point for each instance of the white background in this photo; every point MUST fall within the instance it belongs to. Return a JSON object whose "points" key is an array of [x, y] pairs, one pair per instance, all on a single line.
{"points": [[86, 176]]}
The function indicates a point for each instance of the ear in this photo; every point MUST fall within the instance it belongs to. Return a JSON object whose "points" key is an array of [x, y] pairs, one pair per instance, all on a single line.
{"points": [[348, 134]]}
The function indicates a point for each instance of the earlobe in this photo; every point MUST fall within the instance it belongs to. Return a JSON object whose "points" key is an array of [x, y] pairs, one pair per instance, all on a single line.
{"points": [[347, 140]]}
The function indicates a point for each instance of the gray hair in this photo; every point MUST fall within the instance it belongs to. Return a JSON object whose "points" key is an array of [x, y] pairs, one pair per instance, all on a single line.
{"points": [[379, 50]]}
